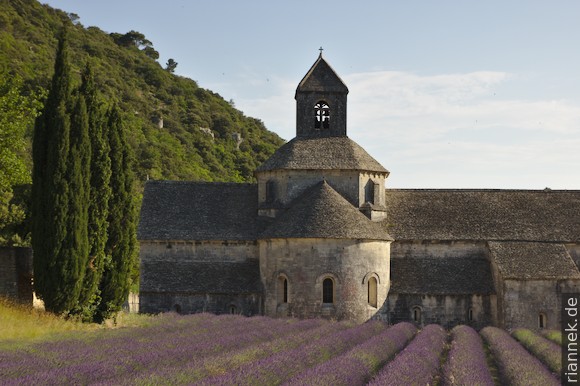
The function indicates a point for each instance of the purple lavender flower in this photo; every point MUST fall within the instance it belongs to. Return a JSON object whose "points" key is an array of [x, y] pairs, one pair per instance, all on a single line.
{"points": [[356, 367], [516, 365], [418, 363], [466, 362], [545, 350], [282, 366]]}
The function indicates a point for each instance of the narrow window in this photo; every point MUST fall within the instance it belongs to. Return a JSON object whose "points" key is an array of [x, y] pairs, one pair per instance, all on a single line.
{"points": [[282, 290], [470, 315], [327, 291], [372, 292], [542, 320], [233, 309], [177, 308], [321, 116], [270, 191], [417, 314]]}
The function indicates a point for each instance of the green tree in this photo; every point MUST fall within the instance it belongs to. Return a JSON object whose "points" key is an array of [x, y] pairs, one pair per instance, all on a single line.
{"points": [[17, 114], [74, 251], [55, 279], [100, 192], [171, 65], [121, 242]]}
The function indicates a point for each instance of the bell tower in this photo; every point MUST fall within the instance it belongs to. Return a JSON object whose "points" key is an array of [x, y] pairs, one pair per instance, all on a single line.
{"points": [[321, 102]]}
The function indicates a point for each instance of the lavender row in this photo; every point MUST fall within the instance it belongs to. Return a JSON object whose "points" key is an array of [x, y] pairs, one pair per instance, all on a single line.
{"points": [[130, 354], [357, 366], [195, 370], [466, 362], [545, 350], [280, 367], [553, 335], [516, 365], [418, 363], [115, 344]]}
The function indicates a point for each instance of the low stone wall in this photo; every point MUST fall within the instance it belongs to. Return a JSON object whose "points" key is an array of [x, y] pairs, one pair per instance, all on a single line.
{"points": [[16, 273], [191, 303]]}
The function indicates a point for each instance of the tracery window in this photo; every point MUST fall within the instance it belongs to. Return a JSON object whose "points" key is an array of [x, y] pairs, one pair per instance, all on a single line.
{"points": [[321, 115]]}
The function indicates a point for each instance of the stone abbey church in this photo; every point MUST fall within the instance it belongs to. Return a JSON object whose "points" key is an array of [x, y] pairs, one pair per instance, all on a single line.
{"points": [[319, 235]]}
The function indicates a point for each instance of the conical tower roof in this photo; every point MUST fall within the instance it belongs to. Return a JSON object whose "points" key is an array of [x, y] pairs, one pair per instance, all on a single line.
{"points": [[321, 212], [332, 153]]}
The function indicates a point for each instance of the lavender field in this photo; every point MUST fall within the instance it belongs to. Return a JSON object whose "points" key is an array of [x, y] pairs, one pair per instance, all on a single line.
{"points": [[227, 349]]}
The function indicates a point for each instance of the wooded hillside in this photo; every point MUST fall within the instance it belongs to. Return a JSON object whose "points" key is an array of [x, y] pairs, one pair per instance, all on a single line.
{"points": [[177, 130]]}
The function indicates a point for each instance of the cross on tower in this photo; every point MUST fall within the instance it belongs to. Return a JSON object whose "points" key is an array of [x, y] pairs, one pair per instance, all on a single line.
{"points": [[321, 49]]}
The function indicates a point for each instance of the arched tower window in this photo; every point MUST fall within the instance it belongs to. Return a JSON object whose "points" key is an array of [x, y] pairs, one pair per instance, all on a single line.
{"points": [[372, 292], [328, 291], [416, 314], [282, 290], [542, 320], [321, 115]]}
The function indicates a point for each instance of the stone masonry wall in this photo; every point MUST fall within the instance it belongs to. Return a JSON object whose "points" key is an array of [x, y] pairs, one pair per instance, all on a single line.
{"points": [[291, 184], [446, 310], [202, 251], [16, 273], [307, 262], [189, 303], [524, 300]]}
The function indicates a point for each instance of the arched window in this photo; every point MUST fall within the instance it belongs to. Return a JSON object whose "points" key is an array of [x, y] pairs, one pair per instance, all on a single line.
{"points": [[372, 292], [321, 115], [542, 320], [233, 309], [177, 308], [282, 290], [416, 314], [327, 291]]}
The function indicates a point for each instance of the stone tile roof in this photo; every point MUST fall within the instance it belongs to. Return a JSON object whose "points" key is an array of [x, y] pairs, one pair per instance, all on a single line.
{"points": [[321, 212], [432, 276], [327, 153], [525, 215], [529, 260], [322, 78], [201, 277], [180, 210]]}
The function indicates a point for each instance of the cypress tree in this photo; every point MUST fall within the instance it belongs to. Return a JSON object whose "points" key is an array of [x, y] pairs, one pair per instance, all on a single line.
{"points": [[50, 191], [100, 192], [75, 249], [121, 240]]}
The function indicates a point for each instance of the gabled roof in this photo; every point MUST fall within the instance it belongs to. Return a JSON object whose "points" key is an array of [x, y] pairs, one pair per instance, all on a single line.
{"points": [[321, 78], [184, 210], [525, 260], [327, 153], [200, 277], [321, 212], [525, 215], [434, 276]]}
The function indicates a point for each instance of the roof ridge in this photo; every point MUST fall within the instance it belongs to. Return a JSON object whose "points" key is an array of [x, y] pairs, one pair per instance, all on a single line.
{"points": [[176, 182], [482, 190]]}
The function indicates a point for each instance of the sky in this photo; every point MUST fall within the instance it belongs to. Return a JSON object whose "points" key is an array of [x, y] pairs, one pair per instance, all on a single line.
{"points": [[444, 94]]}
